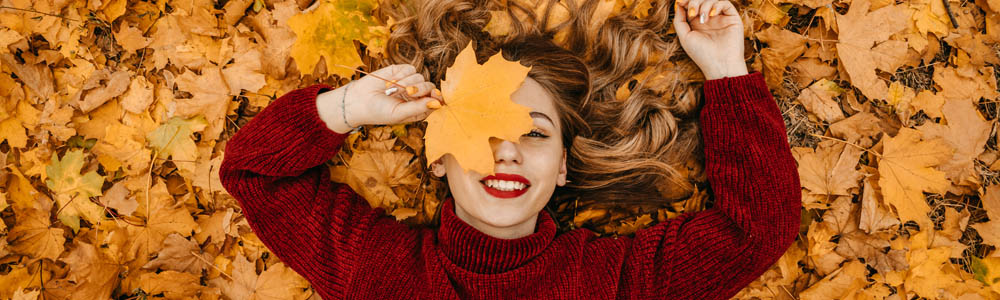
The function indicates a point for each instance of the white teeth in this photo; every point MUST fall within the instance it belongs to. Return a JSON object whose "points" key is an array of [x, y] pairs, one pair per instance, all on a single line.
{"points": [[504, 185]]}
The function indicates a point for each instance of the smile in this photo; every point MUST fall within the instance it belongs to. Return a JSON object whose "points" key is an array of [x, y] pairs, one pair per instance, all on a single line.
{"points": [[503, 185]]}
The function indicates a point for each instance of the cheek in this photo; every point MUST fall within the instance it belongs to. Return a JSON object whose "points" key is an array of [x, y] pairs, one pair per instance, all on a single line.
{"points": [[544, 163]]}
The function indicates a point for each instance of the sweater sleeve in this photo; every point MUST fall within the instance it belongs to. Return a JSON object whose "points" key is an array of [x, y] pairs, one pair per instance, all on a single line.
{"points": [[714, 253], [274, 168]]}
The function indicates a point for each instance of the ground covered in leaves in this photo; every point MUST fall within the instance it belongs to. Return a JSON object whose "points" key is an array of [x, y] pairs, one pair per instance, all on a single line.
{"points": [[115, 115]]}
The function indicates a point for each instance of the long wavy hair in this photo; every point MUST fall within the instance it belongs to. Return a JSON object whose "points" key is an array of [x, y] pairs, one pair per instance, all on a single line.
{"points": [[619, 151]]}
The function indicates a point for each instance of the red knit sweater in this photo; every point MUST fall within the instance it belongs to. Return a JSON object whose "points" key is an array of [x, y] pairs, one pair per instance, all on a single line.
{"points": [[347, 250]]}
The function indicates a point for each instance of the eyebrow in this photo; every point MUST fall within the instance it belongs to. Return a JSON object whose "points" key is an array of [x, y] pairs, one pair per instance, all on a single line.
{"points": [[536, 114]]}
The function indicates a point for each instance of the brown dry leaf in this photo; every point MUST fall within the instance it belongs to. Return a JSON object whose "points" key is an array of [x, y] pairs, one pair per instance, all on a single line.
{"points": [[830, 170], [841, 284], [818, 99], [163, 216], [905, 173], [990, 231], [216, 226], [966, 132], [34, 236], [179, 254], [277, 282], [874, 216], [783, 47], [93, 271], [477, 110], [173, 284], [860, 31]]}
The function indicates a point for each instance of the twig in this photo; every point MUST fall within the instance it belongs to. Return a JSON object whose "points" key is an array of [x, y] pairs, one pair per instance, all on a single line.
{"points": [[947, 8], [38, 12], [393, 82], [211, 264], [845, 142]]}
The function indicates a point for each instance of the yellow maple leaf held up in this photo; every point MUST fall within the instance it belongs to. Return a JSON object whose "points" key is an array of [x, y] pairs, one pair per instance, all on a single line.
{"points": [[478, 107], [72, 190], [330, 31], [905, 173]]}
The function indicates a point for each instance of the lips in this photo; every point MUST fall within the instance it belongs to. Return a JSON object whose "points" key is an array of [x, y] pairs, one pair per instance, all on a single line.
{"points": [[506, 177]]}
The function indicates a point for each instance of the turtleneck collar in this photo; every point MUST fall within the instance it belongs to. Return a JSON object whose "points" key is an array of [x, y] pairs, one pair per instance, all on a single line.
{"points": [[478, 252]]}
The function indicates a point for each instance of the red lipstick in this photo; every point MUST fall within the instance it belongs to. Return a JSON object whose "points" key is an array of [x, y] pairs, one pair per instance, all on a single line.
{"points": [[505, 177]]}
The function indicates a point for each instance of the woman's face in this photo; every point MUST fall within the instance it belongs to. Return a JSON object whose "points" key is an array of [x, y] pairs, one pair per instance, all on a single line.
{"points": [[538, 160]]}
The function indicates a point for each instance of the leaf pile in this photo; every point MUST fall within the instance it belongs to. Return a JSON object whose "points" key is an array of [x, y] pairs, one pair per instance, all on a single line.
{"points": [[115, 115]]}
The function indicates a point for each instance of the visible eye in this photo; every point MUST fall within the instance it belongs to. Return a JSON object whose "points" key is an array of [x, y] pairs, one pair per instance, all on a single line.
{"points": [[536, 133]]}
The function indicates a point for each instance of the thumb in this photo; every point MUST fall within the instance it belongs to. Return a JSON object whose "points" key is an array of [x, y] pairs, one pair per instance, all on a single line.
{"points": [[680, 22], [412, 111]]}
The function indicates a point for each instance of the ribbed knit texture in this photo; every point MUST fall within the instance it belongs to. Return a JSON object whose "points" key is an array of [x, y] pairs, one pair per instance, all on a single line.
{"points": [[324, 231]]}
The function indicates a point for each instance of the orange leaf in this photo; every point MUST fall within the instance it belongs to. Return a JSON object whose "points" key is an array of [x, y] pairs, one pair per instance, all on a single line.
{"points": [[478, 107]]}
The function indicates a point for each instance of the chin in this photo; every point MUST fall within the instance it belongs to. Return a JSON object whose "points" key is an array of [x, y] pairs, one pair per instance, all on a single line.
{"points": [[505, 214]]}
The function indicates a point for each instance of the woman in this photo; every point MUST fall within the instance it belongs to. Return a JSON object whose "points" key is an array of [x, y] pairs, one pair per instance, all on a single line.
{"points": [[494, 241]]}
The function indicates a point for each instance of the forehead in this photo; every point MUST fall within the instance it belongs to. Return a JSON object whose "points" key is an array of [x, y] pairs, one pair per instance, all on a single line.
{"points": [[533, 95]]}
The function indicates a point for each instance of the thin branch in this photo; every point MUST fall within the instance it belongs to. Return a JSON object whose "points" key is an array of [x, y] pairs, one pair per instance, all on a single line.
{"points": [[38, 12], [210, 264], [846, 142]]}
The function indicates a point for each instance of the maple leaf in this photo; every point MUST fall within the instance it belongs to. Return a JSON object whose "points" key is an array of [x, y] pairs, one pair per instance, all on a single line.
{"points": [[173, 284], [874, 216], [783, 47], [73, 190], [33, 235], [330, 31], [905, 173], [830, 171], [990, 231], [838, 285], [859, 31], [478, 108], [164, 217], [987, 271], [818, 99], [178, 254], [173, 139], [93, 269], [967, 132], [277, 282]]}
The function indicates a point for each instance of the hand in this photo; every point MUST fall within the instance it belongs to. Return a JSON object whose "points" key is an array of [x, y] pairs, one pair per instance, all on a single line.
{"points": [[366, 103], [711, 33]]}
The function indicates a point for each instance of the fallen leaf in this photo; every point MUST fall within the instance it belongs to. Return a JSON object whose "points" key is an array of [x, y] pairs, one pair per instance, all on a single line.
{"points": [[905, 170]]}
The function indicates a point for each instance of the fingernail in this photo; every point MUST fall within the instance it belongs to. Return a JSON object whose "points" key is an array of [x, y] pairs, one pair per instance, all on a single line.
{"points": [[434, 104], [437, 92], [712, 13], [410, 90], [389, 83], [691, 12], [702, 18]]}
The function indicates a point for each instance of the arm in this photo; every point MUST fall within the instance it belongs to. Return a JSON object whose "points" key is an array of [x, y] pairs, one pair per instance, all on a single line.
{"points": [[274, 167], [714, 253]]}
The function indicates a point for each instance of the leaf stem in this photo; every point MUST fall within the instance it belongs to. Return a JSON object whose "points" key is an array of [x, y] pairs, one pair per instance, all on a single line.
{"points": [[846, 142], [393, 82], [38, 12]]}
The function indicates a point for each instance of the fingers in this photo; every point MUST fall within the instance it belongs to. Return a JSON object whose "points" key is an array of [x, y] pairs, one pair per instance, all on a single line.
{"points": [[412, 111], [422, 89], [680, 21], [724, 8], [705, 10]]}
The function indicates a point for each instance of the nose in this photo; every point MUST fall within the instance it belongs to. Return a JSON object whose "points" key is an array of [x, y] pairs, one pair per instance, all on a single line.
{"points": [[505, 151]]}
